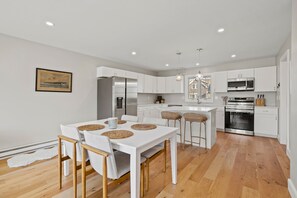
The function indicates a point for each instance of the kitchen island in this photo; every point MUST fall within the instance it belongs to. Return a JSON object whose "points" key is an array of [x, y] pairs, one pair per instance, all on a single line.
{"points": [[209, 112]]}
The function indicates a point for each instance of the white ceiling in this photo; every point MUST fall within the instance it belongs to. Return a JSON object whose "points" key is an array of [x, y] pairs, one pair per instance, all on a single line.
{"points": [[155, 29]]}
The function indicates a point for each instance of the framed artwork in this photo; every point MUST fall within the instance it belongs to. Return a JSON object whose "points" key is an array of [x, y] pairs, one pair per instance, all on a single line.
{"points": [[53, 81]]}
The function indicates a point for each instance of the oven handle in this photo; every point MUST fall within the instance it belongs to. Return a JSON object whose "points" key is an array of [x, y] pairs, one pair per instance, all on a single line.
{"points": [[239, 111]]}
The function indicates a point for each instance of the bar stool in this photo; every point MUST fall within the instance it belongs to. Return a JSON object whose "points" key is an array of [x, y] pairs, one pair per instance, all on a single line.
{"points": [[194, 117], [174, 116]]}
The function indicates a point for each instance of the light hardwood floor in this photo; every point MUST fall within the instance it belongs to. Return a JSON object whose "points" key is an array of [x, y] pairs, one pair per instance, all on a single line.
{"points": [[237, 166]]}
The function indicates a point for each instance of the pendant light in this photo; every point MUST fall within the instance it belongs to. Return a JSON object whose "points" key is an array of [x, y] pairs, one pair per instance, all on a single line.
{"points": [[199, 75], [179, 75]]}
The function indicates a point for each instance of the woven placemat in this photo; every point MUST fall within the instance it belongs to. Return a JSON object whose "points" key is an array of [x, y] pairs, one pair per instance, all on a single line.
{"points": [[143, 126], [118, 134], [91, 127], [119, 122]]}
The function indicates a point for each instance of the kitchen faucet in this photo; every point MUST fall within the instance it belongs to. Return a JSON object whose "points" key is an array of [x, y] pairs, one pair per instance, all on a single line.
{"points": [[198, 100]]}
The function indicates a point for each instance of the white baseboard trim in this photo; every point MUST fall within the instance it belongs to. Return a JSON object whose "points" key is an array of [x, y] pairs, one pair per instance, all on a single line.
{"points": [[27, 148], [292, 189], [289, 153]]}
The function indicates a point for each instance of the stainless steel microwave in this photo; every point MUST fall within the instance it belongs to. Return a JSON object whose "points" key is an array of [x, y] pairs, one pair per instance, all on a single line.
{"points": [[241, 84]]}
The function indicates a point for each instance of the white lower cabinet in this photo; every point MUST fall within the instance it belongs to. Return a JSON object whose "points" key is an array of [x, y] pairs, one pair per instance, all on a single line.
{"points": [[220, 119], [266, 121]]}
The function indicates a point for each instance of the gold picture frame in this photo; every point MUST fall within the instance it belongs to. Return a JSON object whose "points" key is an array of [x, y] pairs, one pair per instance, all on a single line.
{"points": [[53, 81]]}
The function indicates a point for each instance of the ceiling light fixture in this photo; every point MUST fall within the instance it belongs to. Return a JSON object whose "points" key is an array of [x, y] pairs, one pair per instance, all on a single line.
{"points": [[197, 64], [179, 75], [133, 53], [50, 24], [221, 30], [167, 65], [199, 75], [233, 55]]}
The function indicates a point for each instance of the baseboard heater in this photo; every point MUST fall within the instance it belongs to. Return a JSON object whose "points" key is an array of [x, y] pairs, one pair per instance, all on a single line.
{"points": [[5, 153]]}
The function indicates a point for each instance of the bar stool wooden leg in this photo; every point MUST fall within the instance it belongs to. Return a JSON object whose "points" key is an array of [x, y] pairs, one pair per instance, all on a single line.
{"points": [[180, 132], [205, 135], [185, 131], [200, 134], [191, 133]]}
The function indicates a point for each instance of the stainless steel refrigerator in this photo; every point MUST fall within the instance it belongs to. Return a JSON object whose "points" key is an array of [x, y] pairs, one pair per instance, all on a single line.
{"points": [[116, 97]]}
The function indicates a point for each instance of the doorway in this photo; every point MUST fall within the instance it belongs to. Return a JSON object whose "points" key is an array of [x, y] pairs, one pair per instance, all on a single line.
{"points": [[284, 98]]}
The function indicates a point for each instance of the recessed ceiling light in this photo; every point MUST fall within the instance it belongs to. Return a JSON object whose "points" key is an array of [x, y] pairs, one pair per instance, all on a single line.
{"points": [[133, 53], [167, 65], [221, 30], [50, 24], [233, 55], [197, 64]]}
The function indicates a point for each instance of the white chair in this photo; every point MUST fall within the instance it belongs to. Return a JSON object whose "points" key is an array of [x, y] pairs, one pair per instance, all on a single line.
{"points": [[129, 118], [72, 141], [157, 150], [106, 162]]}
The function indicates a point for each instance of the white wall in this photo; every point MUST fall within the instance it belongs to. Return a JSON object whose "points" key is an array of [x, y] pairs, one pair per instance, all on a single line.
{"points": [[27, 116], [293, 113]]}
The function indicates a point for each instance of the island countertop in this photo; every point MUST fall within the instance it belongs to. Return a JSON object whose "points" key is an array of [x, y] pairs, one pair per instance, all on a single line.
{"points": [[189, 109]]}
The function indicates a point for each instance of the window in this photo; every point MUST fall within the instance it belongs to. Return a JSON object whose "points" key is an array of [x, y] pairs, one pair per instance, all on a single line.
{"points": [[201, 89]]}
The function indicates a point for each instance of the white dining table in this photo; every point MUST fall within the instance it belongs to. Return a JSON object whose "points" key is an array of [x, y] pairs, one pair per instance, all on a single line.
{"points": [[141, 141]]}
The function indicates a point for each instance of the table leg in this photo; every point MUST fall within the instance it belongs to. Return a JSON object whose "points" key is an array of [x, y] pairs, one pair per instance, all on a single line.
{"points": [[65, 163], [135, 174], [173, 159]]}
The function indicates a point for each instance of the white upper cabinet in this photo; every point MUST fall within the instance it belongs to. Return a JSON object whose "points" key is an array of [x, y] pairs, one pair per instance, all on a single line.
{"points": [[140, 83], [110, 72], [149, 84], [160, 85], [220, 82], [243, 73], [265, 79], [132, 75], [173, 86]]}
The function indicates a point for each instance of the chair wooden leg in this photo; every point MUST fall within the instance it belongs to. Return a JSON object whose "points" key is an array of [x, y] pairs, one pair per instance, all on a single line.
{"points": [[83, 173], [105, 187], [147, 178], [165, 155], [60, 162], [74, 171], [142, 181]]}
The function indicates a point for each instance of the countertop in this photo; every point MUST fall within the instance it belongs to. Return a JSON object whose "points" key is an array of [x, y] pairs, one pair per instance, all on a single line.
{"points": [[189, 109]]}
